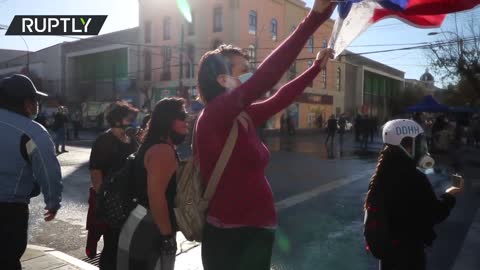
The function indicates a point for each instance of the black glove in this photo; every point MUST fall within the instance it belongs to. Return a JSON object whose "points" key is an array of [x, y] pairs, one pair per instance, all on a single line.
{"points": [[168, 245]]}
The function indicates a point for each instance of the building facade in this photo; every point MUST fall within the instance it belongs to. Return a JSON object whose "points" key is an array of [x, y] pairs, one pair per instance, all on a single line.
{"points": [[258, 26], [102, 68], [370, 87], [44, 67]]}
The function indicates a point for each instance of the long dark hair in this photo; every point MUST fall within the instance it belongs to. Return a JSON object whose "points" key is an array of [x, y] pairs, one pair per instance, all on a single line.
{"points": [[391, 158], [376, 175], [165, 112]]}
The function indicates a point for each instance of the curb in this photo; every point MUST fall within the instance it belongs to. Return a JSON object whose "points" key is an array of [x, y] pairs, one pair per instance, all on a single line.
{"points": [[64, 257]]}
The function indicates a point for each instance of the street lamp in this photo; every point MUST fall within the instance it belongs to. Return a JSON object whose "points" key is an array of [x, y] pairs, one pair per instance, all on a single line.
{"points": [[5, 27]]}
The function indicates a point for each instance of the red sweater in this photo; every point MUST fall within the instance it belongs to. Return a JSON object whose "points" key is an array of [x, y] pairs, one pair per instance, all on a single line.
{"points": [[243, 196]]}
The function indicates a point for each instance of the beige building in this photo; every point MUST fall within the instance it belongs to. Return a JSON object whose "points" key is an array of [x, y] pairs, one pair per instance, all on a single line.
{"points": [[258, 26]]}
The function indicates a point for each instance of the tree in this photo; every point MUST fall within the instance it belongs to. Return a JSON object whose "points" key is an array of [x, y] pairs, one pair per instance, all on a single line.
{"points": [[457, 58], [410, 95]]}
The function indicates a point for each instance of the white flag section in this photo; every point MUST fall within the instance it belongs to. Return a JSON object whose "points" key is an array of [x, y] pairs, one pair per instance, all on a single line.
{"points": [[345, 31]]}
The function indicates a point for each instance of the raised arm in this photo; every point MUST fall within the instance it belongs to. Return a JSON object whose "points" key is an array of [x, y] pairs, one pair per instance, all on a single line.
{"points": [[271, 69], [262, 111]]}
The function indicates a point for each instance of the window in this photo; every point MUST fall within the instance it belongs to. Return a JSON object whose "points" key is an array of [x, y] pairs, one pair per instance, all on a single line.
{"points": [[324, 78], [252, 55], [218, 19], [148, 32], [324, 43], [339, 74], [310, 44], [189, 61], [167, 59], [191, 26], [310, 63], [147, 69], [252, 22], [274, 29], [167, 24]]}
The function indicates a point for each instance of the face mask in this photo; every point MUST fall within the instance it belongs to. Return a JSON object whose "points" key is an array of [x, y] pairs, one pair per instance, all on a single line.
{"points": [[177, 138], [245, 77], [231, 83], [426, 162], [420, 153], [34, 114]]}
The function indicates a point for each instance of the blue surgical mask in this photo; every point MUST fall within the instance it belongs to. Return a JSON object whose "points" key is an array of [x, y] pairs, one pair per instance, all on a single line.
{"points": [[245, 77]]}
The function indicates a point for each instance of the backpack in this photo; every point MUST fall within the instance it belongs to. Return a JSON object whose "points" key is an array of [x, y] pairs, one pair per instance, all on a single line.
{"points": [[376, 230], [192, 199], [116, 200]]}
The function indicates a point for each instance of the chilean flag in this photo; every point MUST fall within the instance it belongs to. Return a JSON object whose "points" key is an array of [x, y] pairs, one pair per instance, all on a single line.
{"points": [[355, 16]]}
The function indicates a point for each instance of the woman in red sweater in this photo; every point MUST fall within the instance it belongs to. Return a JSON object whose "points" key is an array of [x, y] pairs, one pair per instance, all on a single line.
{"points": [[241, 219]]}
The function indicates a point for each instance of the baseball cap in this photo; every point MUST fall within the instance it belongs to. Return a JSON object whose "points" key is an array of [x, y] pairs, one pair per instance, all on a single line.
{"points": [[20, 86]]}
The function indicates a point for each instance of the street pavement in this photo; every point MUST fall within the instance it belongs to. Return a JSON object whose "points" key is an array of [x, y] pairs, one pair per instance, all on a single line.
{"points": [[319, 191]]}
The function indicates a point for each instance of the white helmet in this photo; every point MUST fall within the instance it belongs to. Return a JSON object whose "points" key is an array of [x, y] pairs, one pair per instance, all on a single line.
{"points": [[394, 131]]}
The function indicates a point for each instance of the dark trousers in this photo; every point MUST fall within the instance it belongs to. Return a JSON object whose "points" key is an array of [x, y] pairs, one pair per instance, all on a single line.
{"points": [[60, 139], [108, 258], [330, 134], [410, 258], [237, 249], [13, 234]]}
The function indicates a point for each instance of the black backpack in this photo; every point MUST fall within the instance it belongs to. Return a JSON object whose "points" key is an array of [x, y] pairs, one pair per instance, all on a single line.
{"points": [[378, 239], [116, 200]]}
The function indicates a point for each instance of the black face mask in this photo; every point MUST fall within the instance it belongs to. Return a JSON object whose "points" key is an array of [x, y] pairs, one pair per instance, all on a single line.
{"points": [[177, 138]]}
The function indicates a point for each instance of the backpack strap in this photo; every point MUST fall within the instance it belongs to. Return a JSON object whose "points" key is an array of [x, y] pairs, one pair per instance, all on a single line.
{"points": [[224, 157], [222, 162]]}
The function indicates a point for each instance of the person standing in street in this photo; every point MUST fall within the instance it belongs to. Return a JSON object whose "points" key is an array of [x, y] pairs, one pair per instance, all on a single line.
{"points": [[342, 125], [241, 219], [28, 165], [404, 193], [290, 125], [358, 127], [109, 153], [148, 238], [331, 128], [365, 131], [60, 129], [372, 128], [320, 122], [76, 123]]}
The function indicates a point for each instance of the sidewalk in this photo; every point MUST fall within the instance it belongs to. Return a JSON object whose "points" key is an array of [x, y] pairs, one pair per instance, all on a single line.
{"points": [[40, 258]]}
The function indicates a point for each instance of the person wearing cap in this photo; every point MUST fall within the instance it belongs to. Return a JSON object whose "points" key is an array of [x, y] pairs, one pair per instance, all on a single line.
{"points": [[28, 165]]}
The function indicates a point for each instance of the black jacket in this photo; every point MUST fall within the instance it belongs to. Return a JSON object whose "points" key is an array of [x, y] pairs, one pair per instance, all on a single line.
{"points": [[412, 206]]}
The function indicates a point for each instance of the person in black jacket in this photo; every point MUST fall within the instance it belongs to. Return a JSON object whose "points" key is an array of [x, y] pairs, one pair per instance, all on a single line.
{"points": [[331, 128], [410, 203], [109, 153]]}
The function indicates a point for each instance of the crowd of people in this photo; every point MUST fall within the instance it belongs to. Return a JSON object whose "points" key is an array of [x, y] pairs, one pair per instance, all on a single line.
{"points": [[241, 219]]}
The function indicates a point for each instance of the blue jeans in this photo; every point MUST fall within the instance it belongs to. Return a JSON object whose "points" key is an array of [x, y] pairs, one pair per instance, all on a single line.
{"points": [[60, 138]]}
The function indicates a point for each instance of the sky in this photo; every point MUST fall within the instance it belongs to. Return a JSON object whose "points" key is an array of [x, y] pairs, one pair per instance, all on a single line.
{"points": [[123, 14]]}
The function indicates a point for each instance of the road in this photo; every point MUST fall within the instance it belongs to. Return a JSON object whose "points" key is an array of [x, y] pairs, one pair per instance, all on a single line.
{"points": [[319, 195]]}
